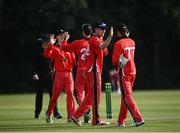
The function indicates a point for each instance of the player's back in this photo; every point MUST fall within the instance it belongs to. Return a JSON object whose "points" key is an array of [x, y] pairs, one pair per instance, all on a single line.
{"points": [[81, 50], [128, 47]]}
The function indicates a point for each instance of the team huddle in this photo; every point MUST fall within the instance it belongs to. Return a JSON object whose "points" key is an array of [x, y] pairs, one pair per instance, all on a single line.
{"points": [[89, 52]]}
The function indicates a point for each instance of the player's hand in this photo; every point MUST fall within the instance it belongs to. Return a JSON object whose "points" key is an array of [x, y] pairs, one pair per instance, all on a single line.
{"points": [[52, 39], [66, 36], [111, 32], [35, 77]]}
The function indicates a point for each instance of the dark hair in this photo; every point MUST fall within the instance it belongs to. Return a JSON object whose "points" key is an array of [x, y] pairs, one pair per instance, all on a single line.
{"points": [[45, 37], [59, 32], [87, 29], [122, 28]]}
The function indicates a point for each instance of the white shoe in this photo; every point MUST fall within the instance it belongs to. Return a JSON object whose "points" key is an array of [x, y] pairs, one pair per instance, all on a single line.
{"points": [[119, 91], [48, 119], [121, 125], [102, 123], [137, 124]]}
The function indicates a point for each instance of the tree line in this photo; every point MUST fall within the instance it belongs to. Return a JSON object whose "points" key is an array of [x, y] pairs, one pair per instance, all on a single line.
{"points": [[154, 25]]}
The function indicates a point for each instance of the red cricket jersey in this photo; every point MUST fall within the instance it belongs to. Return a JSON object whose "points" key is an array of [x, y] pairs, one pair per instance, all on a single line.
{"points": [[94, 43], [80, 48], [127, 47], [63, 61]]}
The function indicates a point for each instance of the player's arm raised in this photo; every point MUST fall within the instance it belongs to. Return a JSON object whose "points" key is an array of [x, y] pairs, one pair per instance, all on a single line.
{"points": [[107, 41], [49, 50]]}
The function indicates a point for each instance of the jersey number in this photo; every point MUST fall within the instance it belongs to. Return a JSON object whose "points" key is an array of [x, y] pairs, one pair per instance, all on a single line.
{"points": [[85, 52], [130, 51]]}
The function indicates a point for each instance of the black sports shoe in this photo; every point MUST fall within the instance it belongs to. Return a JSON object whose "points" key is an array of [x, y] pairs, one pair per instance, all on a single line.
{"points": [[76, 121], [87, 118], [69, 120], [58, 116], [36, 116]]}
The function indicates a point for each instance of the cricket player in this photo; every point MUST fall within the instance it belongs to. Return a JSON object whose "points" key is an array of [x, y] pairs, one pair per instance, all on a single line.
{"points": [[123, 60], [98, 48], [63, 80], [80, 47], [42, 75]]}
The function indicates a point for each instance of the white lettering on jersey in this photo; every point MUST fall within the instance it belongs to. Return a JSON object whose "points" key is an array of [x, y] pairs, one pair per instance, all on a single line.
{"points": [[85, 52], [129, 50], [83, 56]]}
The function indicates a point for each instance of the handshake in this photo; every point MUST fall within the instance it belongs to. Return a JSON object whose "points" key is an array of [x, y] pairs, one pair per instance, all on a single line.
{"points": [[122, 61]]}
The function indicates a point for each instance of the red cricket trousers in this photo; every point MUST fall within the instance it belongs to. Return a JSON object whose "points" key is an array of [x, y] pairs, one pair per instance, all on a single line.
{"points": [[63, 81], [92, 99], [81, 84], [87, 101], [97, 89], [127, 101]]}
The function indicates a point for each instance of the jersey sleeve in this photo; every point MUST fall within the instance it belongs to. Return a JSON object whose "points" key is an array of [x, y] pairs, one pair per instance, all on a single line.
{"points": [[73, 47], [94, 44], [49, 52], [117, 51]]}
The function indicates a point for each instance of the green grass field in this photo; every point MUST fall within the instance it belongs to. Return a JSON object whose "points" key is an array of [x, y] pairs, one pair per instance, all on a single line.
{"points": [[160, 109]]}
